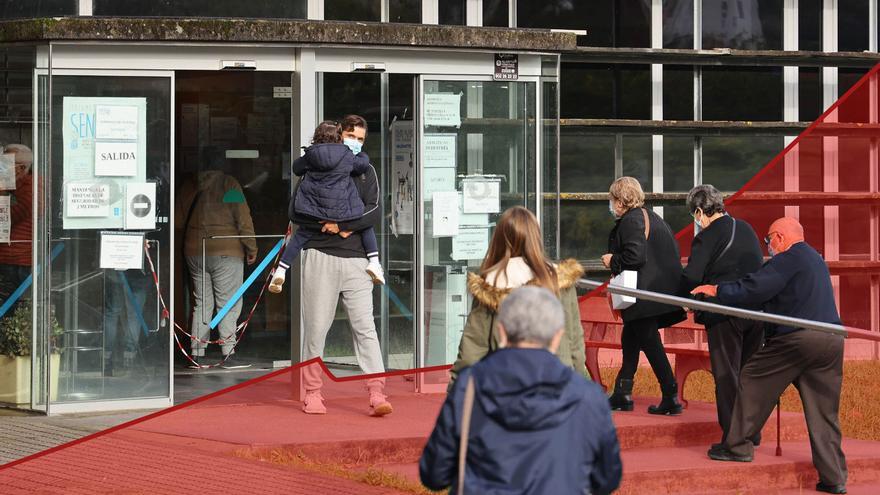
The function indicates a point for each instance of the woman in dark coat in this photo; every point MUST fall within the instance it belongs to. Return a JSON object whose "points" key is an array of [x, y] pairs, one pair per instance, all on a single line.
{"points": [[653, 252]]}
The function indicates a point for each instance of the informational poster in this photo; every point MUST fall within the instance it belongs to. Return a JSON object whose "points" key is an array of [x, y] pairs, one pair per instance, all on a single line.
{"points": [[444, 214], [471, 243], [140, 206], [115, 159], [94, 185], [116, 122], [5, 219], [7, 172], [402, 182], [443, 110], [439, 150], [482, 195], [122, 251], [471, 219], [89, 200], [438, 180]]}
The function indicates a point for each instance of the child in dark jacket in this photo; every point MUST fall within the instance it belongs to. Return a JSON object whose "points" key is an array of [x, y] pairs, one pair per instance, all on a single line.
{"points": [[327, 192]]}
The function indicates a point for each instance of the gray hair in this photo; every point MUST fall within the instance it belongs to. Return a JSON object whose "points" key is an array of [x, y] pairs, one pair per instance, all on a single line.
{"points": [[27, 156], [706, 198], [531, 314]]}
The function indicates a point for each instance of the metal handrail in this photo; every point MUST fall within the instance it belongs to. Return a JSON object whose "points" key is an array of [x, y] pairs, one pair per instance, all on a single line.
{"points": [[732, 311]]}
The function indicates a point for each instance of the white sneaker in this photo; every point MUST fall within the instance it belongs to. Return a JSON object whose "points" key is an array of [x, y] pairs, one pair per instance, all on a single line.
{"points": [[376, 273], [277, 281]]}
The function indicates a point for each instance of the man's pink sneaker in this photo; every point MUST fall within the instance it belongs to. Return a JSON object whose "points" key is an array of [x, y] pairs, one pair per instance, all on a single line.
{"points": [[314, 403], [379, 405]]}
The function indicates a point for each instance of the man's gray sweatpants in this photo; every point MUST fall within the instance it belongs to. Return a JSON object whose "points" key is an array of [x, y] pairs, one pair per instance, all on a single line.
{"points": [[223, 276], [324, 279]]}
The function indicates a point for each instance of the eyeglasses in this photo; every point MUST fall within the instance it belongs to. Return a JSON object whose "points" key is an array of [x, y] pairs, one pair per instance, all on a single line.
{"points": [[767, 239]]}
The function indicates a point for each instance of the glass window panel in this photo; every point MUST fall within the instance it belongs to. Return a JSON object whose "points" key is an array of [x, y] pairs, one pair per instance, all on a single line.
{"points": [[678, 92], [678, 163], [608, 23], [809, 93], [405, 11], [852, 25], [496, 13], [743, 24], [678, 24], [353, 10], [606, 92], [810, 25], [847, 78], [23, 9], [584, 228], [290, 9], [637, 160], [586, 161], [742, 93], [453, 12], [731, 161], [677, 216]]}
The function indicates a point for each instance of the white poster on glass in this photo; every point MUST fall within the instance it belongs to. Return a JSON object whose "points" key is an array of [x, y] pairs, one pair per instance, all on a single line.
{"points": [[140, 206], [90, 200], [443, 109], [444, 214], [121, 251], [116, 122], [438, 180], [7, 172], [439, 150], [5, 219], [471, 243], [402, 179], [116, 159], [481, 195]]}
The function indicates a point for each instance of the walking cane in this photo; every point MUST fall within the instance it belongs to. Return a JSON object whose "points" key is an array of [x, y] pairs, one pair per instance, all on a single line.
{"points": [[778, 431]]}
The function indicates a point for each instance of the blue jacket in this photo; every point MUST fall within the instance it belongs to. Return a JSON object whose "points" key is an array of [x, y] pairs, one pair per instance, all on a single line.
{"points": [[328, 192], [794, 283], [536, 428]]}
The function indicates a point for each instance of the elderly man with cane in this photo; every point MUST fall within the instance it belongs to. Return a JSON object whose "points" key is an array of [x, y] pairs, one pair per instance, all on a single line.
{"points": [[795, 282]]}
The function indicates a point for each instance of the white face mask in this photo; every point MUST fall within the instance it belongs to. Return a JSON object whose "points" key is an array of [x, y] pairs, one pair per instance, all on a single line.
{"points": [[611, 208], [698, 227]]}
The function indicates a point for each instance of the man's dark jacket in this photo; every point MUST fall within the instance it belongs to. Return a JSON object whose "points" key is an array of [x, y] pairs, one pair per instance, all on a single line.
{"points": [[334, 245], [657, 260], [536, 428], [705, 267]]}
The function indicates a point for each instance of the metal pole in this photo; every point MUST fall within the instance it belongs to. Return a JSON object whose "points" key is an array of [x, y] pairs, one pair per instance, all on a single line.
{"points": [[716, 308]]}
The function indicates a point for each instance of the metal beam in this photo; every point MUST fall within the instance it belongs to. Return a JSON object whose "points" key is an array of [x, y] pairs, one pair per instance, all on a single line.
{"points": [[720, 56]]}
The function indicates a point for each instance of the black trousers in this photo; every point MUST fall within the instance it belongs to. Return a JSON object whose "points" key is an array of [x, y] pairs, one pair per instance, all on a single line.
{"points": [[731, 343], [813, 362], [642, 335]]}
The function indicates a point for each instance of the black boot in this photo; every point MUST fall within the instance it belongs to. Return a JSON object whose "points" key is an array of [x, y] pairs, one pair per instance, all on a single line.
{"points": [[621, 399], [669, 405]]}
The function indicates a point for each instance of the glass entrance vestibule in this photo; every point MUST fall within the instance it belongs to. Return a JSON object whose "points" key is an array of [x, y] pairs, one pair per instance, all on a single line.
{"points": [[145, 191]]}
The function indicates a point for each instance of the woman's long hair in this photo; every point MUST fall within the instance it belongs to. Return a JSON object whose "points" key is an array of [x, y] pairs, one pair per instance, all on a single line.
{"points": [[518, 234]]}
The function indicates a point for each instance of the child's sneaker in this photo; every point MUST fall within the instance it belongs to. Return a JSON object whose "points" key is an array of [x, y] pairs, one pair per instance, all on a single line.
{"points": [[277, 281], [376, 273], [314, 403]]}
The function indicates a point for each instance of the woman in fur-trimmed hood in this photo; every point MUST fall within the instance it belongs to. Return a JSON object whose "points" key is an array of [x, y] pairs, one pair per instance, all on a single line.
{"points": [[516, 258]]}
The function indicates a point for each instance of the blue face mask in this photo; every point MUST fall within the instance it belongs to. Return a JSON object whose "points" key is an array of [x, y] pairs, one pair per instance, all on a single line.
{"points": [[698, 227], [353, 144]]}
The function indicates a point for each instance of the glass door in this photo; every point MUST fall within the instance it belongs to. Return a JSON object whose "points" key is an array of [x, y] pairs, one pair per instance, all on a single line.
{"points": [[477, 145], [107, 194]]}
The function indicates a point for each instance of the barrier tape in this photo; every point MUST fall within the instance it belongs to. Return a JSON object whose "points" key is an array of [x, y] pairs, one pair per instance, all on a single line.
{"points": [[239, 329]]}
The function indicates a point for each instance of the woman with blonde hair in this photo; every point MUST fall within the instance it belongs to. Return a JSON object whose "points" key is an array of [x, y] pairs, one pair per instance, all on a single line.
{"points": [[516, 258], [642, 241]]}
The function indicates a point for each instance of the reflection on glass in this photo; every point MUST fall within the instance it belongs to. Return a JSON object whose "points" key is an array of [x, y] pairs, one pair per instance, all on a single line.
{"points": [[550, 163], [353, 10], [743, 24], [452, 12], [496, 13], [405, 11], [586, 160], [113, 342], [678, 163], [29, 9], [847, 78], [678, 24], [809, 93], [637, 160], [584, 229], [742, 93], [730, 162], [288, 9], [478, 139], [678, 92], [810, 26], [598, 91], [624, 23]]}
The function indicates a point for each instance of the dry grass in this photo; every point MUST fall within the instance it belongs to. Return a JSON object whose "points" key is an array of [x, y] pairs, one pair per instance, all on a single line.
{"points": [[859, 404], [368, 475]]}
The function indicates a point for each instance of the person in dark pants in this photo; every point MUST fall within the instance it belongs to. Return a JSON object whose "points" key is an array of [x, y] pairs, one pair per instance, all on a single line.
{"points": [[723, 249], [795, 282], [643, 242]]}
